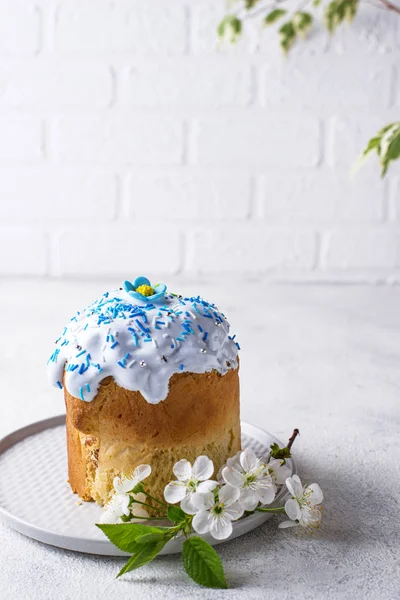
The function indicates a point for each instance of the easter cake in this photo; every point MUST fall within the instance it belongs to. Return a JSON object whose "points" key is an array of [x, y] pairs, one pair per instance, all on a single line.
{"points": [[149, 377]]}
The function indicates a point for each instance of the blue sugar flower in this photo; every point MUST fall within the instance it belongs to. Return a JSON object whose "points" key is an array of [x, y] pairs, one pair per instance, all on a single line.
{"points": [[141, 289]]}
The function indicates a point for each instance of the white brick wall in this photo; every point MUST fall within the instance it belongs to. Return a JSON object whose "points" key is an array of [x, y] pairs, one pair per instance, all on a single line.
{"points": [[129, 143], [120, 139]]}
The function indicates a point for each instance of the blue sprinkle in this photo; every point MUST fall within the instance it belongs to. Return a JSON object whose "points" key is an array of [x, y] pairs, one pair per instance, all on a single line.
{"points": [[88, 387], [180, 339], [81, 393], [121, 364], [127, 355], [144, 329], [181, 367], [238, 347], [200, 328], [205, 336], [114, 344], [80, 353], [59, 385], [53, 357], [172, 346]]}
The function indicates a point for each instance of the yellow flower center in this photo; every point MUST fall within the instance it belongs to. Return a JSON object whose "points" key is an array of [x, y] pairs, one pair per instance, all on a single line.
{"points": [[145, 290]]}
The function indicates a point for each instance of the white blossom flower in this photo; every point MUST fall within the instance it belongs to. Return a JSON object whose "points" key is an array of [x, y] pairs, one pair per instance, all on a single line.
{"points": [[216, 512], [304, 507], [252, 477], [232, 462], [119, 503], [278, 470], [190, 480]]}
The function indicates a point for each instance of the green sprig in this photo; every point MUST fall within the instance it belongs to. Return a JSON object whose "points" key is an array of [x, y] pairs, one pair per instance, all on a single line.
{"points": [[145, 542]]}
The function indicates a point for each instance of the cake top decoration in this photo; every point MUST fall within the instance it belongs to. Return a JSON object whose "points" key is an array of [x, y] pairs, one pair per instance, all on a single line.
{"points": [[141, 335], [141, 289]]}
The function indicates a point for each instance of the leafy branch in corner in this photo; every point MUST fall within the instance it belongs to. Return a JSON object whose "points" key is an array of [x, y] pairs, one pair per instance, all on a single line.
{"points": [[294, 21]]}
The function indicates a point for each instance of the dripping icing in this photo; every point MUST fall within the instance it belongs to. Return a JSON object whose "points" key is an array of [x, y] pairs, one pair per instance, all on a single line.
{"points": [[141, 345]]}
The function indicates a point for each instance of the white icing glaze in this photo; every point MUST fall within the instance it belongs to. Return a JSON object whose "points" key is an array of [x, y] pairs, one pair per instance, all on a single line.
{"points": [[141, 345]]}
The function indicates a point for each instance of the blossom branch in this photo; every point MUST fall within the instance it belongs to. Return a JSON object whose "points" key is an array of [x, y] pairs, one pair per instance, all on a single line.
{"points": [[244, 485]]}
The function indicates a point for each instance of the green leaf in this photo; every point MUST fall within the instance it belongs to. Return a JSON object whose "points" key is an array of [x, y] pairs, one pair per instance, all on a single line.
{"points": [[338, 11], [392, 150], [386, 144], [287, 36], [144, 553], [202, 563], [280, 453], [372, 144], [302, 21], [249, 4], [176, 514], [274, 16], [230, 28], [126, 536]]}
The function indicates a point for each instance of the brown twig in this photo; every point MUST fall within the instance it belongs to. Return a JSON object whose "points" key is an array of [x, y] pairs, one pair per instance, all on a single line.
{"points": [[390, 6], [294, 435]]}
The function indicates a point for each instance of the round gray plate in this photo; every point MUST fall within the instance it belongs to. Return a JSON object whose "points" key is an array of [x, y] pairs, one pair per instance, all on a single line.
{"points": [[36, 500]]}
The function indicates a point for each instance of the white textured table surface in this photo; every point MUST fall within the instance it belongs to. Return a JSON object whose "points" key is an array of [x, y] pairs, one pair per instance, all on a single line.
{"points": [[324, 359]]}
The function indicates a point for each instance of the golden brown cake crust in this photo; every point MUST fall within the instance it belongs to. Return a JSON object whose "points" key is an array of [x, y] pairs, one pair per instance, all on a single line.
{"points": [[119, 429]]}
